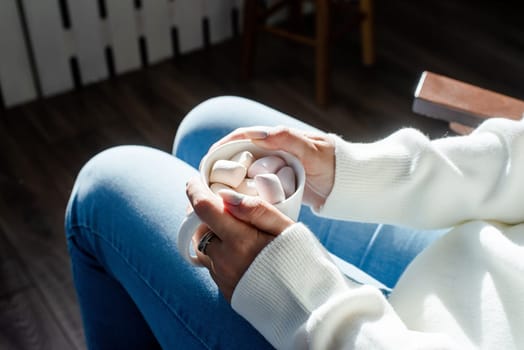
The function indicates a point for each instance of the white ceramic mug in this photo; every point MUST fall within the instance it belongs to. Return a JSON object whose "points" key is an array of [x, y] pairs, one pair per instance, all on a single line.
{"points": [[290, 206]]}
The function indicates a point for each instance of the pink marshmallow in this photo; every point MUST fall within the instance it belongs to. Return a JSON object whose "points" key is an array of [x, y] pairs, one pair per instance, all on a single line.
{"points": [[265, 165], [245, 158], [287, 179], [269, 188], [247, 186], [227, 172], [217, 186]]}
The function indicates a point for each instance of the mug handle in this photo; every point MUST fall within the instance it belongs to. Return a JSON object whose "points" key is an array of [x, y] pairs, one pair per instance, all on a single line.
{"points": [[185, 236]]}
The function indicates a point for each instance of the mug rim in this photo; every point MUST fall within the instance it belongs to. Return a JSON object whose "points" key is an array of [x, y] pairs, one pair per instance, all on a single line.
{"points": [[296, 164]]}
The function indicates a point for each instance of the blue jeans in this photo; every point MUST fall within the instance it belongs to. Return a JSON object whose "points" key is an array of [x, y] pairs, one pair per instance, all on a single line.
{"points": [[135, 291]]}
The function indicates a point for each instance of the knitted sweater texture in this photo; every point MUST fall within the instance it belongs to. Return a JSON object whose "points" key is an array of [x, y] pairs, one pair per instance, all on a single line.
{"points": [[465, 291]]}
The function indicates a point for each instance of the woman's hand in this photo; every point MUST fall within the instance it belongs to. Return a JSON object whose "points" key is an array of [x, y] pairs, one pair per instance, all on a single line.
{"points": [[316, 151], [243, 226]]}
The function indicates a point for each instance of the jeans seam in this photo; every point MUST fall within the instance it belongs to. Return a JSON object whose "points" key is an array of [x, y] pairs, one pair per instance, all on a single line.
{"points": [[137, 273]]}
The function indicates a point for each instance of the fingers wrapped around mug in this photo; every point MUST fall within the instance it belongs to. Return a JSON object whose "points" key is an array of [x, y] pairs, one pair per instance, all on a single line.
{"points": [[209, 208], [234, 242], [314, 149], [256, 212]]}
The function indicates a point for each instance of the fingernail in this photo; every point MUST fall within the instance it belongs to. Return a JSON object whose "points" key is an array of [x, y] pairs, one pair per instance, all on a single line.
{"points": [[258, 134], [231, 197]]}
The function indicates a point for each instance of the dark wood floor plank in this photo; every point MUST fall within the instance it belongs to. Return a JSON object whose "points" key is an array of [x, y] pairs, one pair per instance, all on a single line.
{"points": [[46, 264], [12, 276], [26, 323], [31, 217]]}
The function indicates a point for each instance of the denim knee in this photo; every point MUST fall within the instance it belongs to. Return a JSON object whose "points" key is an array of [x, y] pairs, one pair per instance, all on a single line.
{"points": [[97, 184]]}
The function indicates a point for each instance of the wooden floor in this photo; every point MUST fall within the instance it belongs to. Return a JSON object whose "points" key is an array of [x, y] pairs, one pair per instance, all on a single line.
{"points": [[44, 144]]}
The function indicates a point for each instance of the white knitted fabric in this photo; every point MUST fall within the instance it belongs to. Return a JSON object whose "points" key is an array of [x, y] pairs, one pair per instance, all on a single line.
{"points": [[465, 291]]}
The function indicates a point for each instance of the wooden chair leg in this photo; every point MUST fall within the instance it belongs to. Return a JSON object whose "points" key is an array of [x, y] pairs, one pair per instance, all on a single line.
{"points": [[322, 51], [249, 37], [367, 32]]}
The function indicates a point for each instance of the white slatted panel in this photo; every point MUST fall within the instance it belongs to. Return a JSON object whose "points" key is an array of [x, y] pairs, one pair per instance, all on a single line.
{"points": [[87, 39], [219, 15], [15, 71], [53, 46], [123, 35], [47, 38], [187, 17], [157, 29]]}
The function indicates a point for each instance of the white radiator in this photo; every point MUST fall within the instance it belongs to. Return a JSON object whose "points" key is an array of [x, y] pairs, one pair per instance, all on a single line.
{"points": [[50, 46]]}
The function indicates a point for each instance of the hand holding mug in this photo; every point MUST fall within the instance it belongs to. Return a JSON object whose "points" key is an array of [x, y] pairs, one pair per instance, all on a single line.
{"points": [[288, 205], [241, 227], [315, 150]]}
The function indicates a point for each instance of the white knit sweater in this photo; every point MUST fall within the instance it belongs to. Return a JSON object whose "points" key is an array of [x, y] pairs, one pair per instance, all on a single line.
{"points": [[465, 291]]}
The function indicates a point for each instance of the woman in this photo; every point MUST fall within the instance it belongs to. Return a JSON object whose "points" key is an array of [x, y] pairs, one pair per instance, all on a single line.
{"points": [[269, 282]]}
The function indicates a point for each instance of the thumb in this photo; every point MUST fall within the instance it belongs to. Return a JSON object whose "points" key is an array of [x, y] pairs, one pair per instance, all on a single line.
{"points": [[255, 211]]}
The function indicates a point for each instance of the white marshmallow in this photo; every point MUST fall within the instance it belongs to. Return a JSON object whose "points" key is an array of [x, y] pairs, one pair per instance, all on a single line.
{"points": [[217, 186], [245, 158], [265, 165], [227, 172], [247, 186], [269, 188], [287, 179]]}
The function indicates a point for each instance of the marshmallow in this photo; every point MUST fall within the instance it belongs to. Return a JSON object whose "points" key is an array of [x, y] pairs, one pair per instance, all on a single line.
{"points": [[227, 172], [247, 186], [269, 188], [286, 176], [217, 186], [265, 165], [245, 158]]}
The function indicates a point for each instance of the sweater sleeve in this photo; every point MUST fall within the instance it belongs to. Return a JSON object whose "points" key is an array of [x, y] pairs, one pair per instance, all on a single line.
{"points": [[293, 293], [297, 299], [406, 179]]}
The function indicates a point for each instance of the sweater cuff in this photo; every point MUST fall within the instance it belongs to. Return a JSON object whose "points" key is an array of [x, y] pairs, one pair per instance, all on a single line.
{"points": [[365, 171], [288, 280], [345, 164]]}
